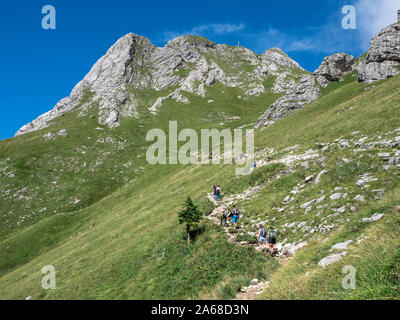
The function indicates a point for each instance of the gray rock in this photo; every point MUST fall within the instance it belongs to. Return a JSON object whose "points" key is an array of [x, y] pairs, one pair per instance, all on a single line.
{"points": [[335, 196], [376, 71], [309, 179], [341, 245], [297, 96], [331, 259], [291, 248], [49, 136], [63, 133], [386, 45], [332, 68], [383, 58], [307, 204], [359, 198], [373, 218], [272, 58], [364, 179]]}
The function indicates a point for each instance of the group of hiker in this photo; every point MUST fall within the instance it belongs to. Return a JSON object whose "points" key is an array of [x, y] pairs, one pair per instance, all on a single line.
{"points": [[263, 236]]}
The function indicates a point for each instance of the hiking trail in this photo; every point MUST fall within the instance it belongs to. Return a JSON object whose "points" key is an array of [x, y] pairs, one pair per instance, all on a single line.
{"points": [[257, 287]]}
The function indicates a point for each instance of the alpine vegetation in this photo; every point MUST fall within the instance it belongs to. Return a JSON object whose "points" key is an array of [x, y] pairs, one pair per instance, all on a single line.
{"points": [[199, 170], [189, 152]]}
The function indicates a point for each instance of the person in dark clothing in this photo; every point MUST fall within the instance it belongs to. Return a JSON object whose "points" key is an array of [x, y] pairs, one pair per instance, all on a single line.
{"points": [[271, 236], [215, 191], [224, 216]]}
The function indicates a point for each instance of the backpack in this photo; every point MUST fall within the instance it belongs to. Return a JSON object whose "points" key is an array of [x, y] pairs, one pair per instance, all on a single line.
{"points": [[225, 213], [263, 233], [235, 212], [272, 234]]}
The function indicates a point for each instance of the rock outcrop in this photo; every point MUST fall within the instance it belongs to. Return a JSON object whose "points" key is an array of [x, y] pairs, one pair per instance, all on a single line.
{"points": [[185, 64], [333, 67], [106, 83], [192, 63], [383, 59], [297, 95]]}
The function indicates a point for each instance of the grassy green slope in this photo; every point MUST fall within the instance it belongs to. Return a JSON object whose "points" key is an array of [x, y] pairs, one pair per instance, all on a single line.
{"points": [[112, 248]]}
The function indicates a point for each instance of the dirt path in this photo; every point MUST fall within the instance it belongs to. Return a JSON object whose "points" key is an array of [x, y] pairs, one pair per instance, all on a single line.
{"points": [[256, 287], [251, 292]]}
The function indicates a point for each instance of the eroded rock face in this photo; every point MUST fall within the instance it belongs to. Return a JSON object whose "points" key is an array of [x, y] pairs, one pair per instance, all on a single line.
{"points": [[332, 68], [106, 83], [383, 58], [297, 95], [133, 62], [386, 45], [275, 57], [376, 71]]}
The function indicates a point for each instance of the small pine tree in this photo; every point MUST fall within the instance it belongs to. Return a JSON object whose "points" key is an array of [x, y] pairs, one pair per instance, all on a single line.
{"points": [[190, 215]]}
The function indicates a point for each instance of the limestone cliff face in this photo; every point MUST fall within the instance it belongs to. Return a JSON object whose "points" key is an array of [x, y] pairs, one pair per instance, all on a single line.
{"points": [[333, 67], [134, 62], [383, 58], [193, 63]]}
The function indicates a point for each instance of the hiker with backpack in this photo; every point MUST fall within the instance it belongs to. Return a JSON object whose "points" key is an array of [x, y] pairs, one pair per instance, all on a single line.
{"points": [[271, 236], [224, 216], [218, 192], [235, 216], [262, 237]]}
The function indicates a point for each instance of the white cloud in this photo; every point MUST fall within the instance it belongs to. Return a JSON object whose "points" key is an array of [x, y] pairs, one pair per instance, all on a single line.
{"points": [[373, 15], [205, 29]]}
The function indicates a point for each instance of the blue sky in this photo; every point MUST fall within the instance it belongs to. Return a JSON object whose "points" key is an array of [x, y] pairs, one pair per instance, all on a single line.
{"points": [[39, 67]]}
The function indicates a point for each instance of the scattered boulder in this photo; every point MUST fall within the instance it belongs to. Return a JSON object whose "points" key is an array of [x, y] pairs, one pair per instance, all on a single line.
{"points": [[309, 179], [364, 179], [307, 204], [291, 248], [359, 198], [63, 133], [49, 136], [331, 259], [373, 218], [335, 196], [341, 245]]}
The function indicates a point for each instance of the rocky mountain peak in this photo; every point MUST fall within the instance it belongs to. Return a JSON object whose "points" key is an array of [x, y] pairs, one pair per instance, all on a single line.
{"points": [[134, 62], [193, 63], [194, 41], [277, 56]]}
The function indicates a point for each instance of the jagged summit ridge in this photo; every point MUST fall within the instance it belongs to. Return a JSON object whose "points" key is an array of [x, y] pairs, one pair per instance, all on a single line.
{"points": [[133, 61]]}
